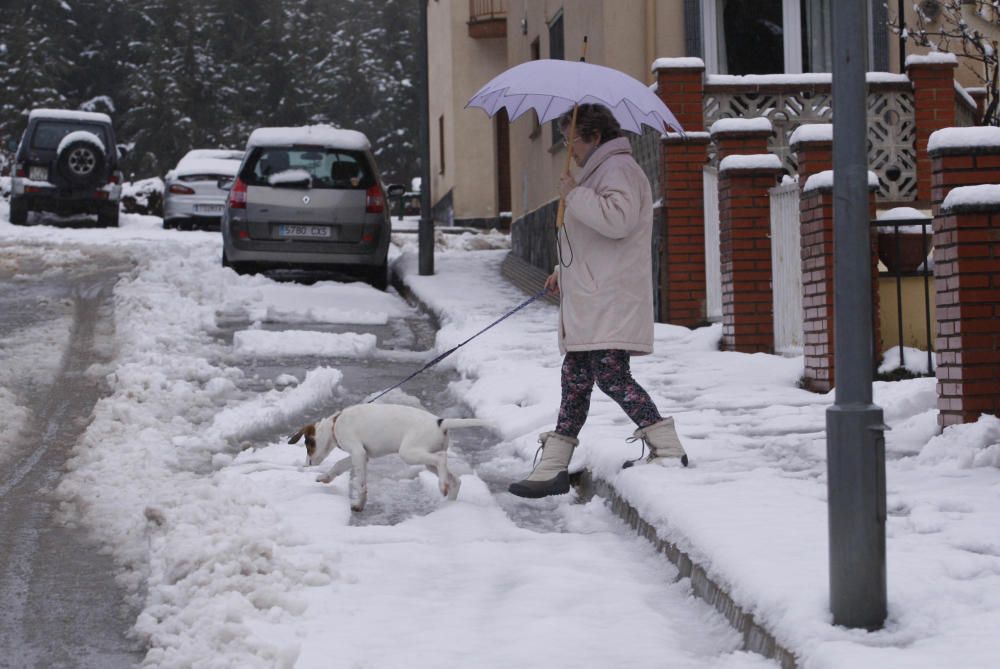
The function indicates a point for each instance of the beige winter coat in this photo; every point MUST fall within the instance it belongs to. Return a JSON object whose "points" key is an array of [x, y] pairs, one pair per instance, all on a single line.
{"points": [[607, 291]]}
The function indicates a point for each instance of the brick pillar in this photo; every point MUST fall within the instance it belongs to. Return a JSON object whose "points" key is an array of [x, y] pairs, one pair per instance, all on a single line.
{"points": [[933, 78], [813, 147], [816, 211], [745, 245], [967, 273], [681, 85], [683, 292], [963, 157], [967, 294], [737, 136]]}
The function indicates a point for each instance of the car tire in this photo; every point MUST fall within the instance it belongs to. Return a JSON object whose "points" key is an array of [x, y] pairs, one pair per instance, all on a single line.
{"points": [[378, 276], [169, 223], [18, 211], [107, 217], [81, 163]]}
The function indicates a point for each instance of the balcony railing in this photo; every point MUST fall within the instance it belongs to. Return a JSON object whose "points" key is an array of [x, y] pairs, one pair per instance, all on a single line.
{"points": [[487, 19]]}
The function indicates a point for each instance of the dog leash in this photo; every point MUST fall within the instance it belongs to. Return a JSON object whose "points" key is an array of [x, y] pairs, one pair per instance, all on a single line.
{"points": [[455, 348]]}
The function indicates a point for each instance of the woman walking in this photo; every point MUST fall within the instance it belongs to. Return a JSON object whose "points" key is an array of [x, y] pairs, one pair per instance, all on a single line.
{"points": [[606, 297]]}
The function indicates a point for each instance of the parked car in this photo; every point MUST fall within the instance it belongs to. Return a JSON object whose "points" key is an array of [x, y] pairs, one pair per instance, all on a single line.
{"points": [[193, 196], [308, 197], [67, 163]]}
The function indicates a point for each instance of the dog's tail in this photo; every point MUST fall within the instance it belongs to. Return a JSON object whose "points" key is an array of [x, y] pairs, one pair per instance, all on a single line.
{"points": [[449, 423]]}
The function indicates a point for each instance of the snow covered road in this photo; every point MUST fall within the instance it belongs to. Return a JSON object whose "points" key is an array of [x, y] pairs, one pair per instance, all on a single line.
{"points": [[236, 557], [59, 605]]}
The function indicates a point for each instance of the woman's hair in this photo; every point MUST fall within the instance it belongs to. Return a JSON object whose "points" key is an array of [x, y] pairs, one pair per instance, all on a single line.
{"points": [[592, 121]]}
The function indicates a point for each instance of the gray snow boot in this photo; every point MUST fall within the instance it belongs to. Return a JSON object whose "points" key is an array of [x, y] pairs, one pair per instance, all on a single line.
{"points": [[662, 440], [550, 476]]}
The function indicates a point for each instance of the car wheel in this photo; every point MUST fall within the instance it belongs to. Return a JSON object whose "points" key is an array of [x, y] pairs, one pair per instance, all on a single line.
{"points": [[108, 216], [81, 163], [169, 223], [18, 211], [378, 276]]}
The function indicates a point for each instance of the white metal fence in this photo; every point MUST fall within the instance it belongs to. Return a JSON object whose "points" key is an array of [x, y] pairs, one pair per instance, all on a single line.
{"points": [[713, 264], [786, 268]]}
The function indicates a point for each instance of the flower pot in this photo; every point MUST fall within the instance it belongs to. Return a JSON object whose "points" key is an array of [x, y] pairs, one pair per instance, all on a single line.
{"points": [[907, 254]]}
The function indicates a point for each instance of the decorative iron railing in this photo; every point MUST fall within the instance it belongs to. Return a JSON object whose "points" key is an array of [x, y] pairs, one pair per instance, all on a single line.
{"points": [[793, 100]]}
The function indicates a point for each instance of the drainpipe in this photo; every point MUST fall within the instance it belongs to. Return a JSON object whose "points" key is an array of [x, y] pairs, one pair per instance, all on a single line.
{"points": [[651, 54]]}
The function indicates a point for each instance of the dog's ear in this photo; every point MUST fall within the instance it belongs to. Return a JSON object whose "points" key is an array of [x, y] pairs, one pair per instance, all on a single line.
{"points": [[298, 435]]}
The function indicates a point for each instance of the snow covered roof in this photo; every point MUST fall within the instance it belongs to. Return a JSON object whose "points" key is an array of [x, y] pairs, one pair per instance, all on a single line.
{"points": [[760, 161], [69, 115], [812, 132], [677, 63], [310, 135], [971, 197], [964, 138], [824, 179], [221, 154], [932, 58], [807, 78], [759, 124], [901, 214], [205, 166]]}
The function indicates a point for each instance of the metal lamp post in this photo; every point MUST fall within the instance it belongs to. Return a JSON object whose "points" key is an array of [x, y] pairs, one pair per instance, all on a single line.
{"points": [[855, 443], [425, 233]]}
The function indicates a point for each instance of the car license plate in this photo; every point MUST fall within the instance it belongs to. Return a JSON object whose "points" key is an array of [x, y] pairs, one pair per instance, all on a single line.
{"points": [[310, 231], [38, 173], [208, 208]]}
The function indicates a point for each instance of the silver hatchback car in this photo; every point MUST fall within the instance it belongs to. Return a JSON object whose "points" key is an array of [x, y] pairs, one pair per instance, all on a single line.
{"points": [[191, 193], [308, 198]]}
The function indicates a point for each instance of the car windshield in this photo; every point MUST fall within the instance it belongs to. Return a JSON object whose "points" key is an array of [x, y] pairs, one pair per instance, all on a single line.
{"points": [[322, 167], [48, 134]]}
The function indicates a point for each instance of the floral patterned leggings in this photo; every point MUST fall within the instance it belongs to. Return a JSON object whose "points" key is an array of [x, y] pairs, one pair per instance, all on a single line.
{"points": [[610, 370]]}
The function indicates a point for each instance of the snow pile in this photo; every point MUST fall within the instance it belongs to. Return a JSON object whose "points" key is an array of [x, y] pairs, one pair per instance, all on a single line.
{"points": [[303, 342], [311, 135], [289, 177]]}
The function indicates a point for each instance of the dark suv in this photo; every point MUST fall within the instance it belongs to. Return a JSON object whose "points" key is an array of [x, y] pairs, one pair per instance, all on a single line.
{"points": [[67, 163]]}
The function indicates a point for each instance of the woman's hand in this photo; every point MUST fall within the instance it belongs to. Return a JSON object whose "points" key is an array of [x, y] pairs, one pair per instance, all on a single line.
{"points": [[566, 184], [552, 283]]}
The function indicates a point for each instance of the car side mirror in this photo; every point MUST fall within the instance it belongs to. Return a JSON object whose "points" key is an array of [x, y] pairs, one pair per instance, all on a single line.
{"points": [[122, 151], [12, 145], [225, 183], [396, 190]]}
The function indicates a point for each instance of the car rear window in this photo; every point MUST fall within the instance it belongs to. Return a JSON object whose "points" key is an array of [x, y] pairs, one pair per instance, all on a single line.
{"points": [[327, 168], [48, 134]]}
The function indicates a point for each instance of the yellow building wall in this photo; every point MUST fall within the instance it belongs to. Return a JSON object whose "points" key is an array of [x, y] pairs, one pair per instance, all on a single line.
{"points": [[459, 66], [618, 36], [914, 318]]}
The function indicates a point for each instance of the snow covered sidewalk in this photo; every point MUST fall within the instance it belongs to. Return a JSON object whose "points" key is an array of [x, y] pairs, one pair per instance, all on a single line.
{"points": [[751, 510]]}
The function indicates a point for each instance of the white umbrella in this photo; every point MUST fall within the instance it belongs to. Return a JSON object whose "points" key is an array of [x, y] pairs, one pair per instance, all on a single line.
{"points": [[553, 87]]}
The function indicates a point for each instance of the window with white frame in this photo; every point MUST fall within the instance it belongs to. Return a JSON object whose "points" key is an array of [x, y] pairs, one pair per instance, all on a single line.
{"points": [[766, 36]]}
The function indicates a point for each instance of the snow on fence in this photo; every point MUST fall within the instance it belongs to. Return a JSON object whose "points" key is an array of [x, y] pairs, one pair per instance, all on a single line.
{"points": [[713, 262], [786, 268]]}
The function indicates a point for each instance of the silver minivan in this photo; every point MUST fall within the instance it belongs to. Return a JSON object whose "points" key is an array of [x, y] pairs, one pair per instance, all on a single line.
{"points": [[308, 198]]}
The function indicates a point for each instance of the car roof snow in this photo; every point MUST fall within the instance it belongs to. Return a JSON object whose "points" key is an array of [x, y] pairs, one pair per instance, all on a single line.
{"points": [[310, 135]]}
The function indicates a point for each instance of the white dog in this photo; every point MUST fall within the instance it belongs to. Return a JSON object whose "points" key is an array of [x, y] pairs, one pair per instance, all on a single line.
{"points": [[372, 430]]}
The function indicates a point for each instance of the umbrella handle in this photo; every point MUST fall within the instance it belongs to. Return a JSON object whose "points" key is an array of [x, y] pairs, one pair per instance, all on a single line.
{"points": [[569, 154], [569, 146]]}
